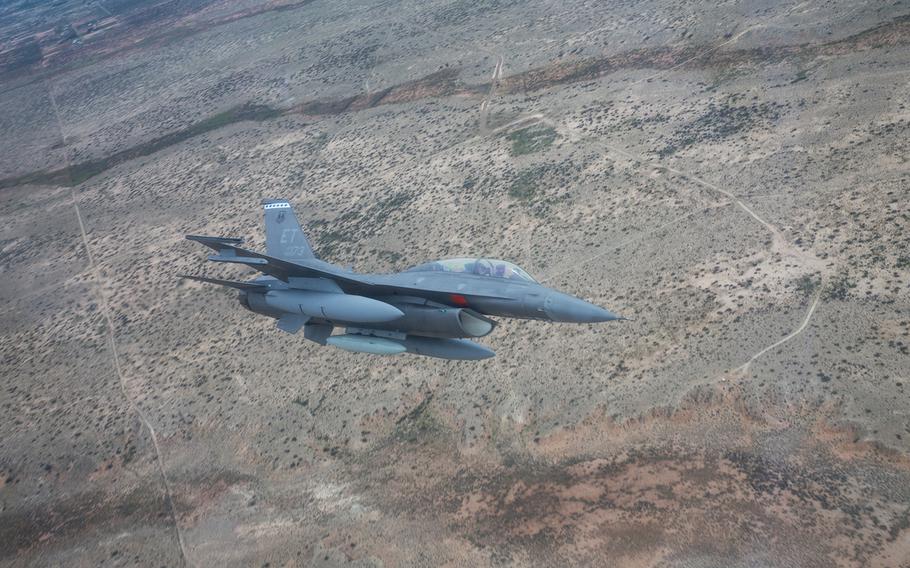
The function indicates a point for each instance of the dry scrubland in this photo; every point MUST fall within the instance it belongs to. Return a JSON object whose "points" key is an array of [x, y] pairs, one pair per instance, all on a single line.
{"points": [[733, 177]]}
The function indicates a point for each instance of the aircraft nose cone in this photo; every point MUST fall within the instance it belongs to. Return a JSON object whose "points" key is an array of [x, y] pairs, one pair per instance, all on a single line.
{"points": [[564, 308]]}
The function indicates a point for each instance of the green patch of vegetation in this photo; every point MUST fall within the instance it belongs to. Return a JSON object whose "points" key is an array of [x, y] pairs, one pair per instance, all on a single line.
{"points": [[807, 284], [801, 75], [531, 139], [320, 141], [838, 288], [25, 54], [722, 120], [326, 107], [525, 185], [52, 177], [250, 112], [539, 188], [78, 173], [129, 453]]}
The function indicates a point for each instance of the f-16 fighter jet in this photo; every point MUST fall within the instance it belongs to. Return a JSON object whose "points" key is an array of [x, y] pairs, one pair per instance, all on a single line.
{"points": [[427, 310]]}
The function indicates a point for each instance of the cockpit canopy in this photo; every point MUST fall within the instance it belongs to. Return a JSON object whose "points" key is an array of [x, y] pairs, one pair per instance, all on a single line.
{"points": [[478, 266]]}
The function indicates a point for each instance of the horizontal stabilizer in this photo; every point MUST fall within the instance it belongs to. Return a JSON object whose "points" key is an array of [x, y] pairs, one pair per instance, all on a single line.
{"points": [[216, 243], [231, 257], [228, 251], [229, 283]]}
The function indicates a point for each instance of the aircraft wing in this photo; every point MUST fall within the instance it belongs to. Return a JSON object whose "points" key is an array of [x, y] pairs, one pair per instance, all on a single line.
{"points": [[229, 251], [245, 286]]}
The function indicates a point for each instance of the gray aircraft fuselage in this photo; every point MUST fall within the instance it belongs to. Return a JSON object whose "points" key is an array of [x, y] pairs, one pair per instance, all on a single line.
{"points": [[429, 310]]}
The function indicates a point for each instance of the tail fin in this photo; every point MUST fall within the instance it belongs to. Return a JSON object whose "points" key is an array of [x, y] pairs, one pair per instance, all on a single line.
{"points": [[283, 237]]}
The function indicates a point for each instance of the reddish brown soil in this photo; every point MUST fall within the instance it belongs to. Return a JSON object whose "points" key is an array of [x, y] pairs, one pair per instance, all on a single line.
{"points": [[626, 494]]}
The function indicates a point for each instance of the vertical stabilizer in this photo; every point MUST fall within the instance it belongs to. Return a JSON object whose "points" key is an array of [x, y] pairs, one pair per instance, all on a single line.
{"points": [[284, 238]]}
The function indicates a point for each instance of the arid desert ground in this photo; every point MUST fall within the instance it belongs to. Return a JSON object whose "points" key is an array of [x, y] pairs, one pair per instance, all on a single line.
{"points": [[733, 177]]}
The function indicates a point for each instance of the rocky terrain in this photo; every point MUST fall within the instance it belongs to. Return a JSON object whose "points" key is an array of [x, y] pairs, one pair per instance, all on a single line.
{"points": [[733, 177]]}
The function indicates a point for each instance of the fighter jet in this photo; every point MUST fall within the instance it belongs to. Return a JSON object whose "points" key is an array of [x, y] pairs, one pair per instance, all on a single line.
{"points": [[431, 309]]}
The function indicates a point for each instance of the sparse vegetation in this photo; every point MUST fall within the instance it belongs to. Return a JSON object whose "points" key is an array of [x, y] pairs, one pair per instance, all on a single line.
{"points": [[289, 453], [531, 139], [725, 75], [418, 424], [838, 288], [525, 185], [722, 120], [390, 256], [82, 171], [807, 284]]}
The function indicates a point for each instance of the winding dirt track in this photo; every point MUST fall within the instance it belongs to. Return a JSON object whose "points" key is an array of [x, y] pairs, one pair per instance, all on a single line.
{"points": [[779, 243], [745, 366]]}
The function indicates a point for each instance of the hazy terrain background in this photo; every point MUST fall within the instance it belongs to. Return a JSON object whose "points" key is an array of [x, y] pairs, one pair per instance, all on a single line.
{"points": [[732, 176]]}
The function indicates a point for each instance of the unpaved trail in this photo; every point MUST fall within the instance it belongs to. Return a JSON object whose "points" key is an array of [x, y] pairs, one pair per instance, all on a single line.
{"points": [[779, 243], [524, 121], [488, 100], [12, 303], [366, 82], [103, 7], [745, 366], [112, 345]]}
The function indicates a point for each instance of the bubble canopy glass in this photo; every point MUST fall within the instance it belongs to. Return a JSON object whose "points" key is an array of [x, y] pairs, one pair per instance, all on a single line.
{"points": [[479, 266]]}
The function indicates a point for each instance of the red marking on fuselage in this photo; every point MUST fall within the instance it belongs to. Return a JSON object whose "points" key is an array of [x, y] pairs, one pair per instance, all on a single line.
{"points": [[459, 300]]}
